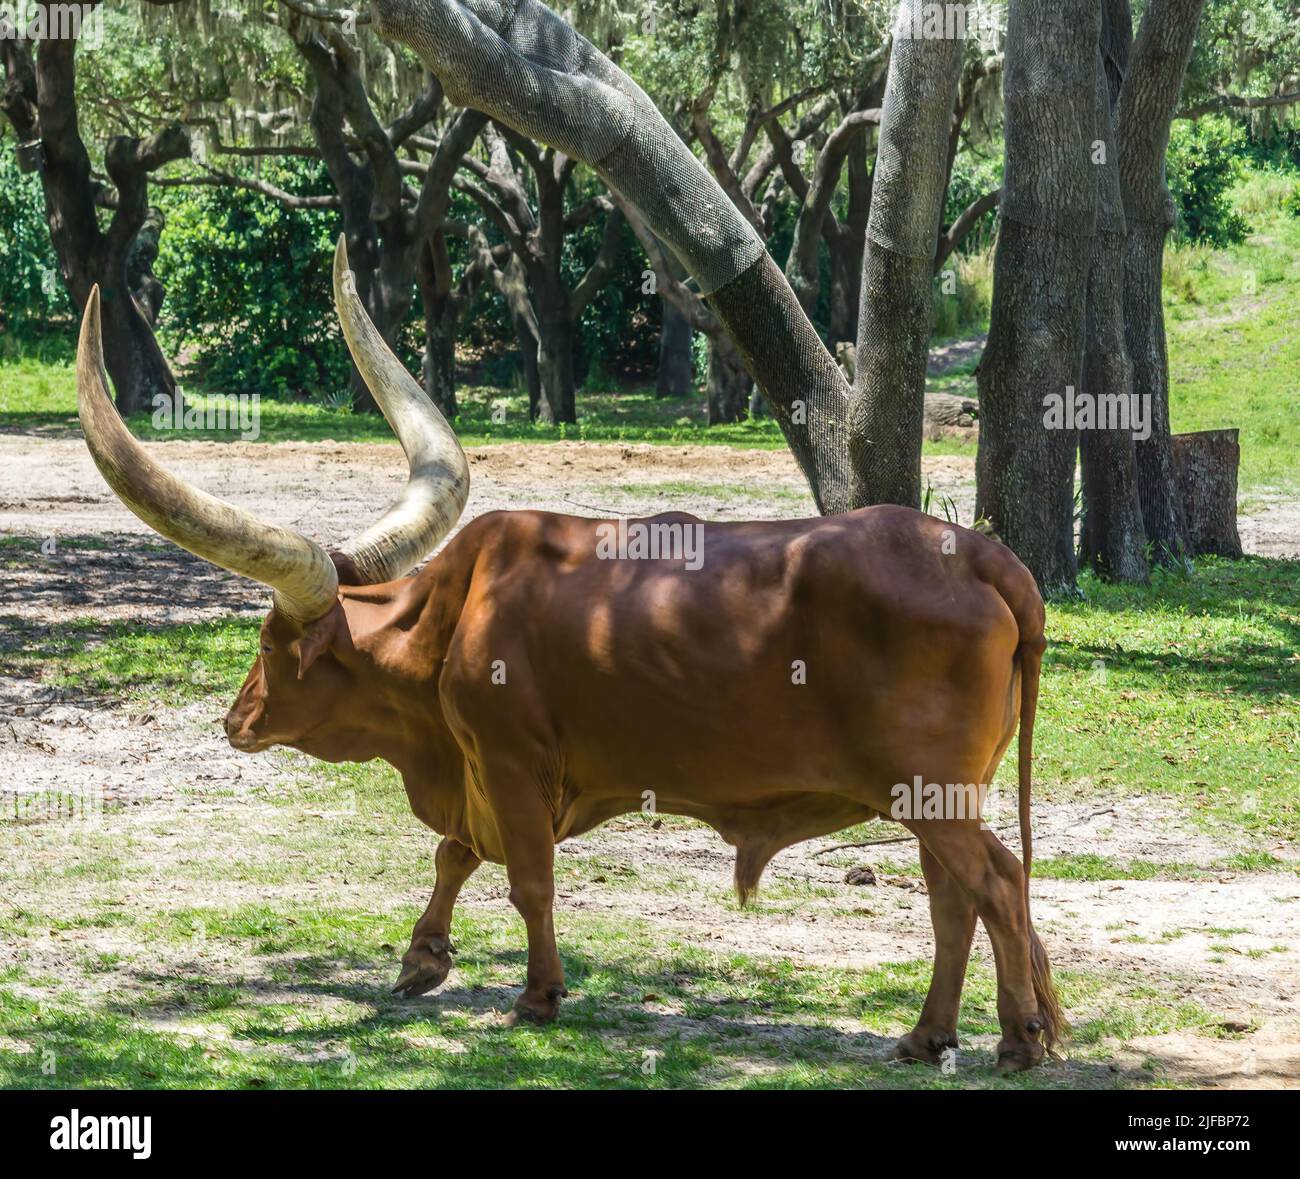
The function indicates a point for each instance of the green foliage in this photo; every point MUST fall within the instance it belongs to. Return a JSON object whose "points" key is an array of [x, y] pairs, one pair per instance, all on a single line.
{"points": [[248, 287], [619, 331], [973, 175], [32, 294], [1246, 47], [1203, 164]]}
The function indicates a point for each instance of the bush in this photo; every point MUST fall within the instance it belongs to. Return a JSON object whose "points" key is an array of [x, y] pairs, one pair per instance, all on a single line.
{"points": [[33, 299], [1203, 163], [248, 288]]}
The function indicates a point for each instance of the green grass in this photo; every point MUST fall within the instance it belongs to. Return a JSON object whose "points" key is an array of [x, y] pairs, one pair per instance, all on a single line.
{"points": [[309, 1009], [169, 664], [41, 397], [1234, 351], [1186, 689]]}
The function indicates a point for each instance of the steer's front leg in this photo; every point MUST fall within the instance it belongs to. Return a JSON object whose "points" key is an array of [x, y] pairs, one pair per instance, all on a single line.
{"points": [[428, 962]]}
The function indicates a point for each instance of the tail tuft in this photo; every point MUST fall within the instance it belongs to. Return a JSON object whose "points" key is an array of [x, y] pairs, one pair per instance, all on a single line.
{"points": [[1055, 1026]]}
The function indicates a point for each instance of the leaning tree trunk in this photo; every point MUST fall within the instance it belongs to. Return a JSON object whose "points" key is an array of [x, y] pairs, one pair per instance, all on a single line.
{"points": [[1112, 538], [676, 354], [902, 232], [1025, 465], [1207, 463], [522, 65], [1146, 106]]}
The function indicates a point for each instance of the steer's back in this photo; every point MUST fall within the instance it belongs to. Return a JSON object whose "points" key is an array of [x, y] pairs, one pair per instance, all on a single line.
{"points": [[840, 653]]}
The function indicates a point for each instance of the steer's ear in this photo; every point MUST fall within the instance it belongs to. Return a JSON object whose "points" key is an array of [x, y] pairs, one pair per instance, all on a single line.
{"points": [[320, 636]]}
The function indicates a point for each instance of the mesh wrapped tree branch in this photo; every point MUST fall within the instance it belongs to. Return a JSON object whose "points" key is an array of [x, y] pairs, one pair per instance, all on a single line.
{"points": [[521, 64]]}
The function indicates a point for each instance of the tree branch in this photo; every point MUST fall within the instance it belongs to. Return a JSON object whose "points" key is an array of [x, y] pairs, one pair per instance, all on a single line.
{"points": [[343, 16], [965, 222], [215, 179], [603, 267], [1223, 102], [687, 301]]}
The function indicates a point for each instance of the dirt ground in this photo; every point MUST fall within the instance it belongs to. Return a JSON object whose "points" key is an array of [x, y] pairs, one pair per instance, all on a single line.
{"points": [[1161, 930]]}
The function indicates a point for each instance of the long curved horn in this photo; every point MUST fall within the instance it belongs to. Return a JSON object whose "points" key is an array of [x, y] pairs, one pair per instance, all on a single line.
{"points": [[303, 577], [438, 487]]}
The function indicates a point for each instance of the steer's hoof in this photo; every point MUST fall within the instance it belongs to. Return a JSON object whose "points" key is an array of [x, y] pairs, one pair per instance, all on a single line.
{"points": [[422, 971], [920, 1047], [1016, 1058], [536, 1009]]}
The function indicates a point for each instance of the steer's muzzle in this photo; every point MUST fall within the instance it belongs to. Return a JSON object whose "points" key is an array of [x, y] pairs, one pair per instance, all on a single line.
{"points": [[239, 732]]}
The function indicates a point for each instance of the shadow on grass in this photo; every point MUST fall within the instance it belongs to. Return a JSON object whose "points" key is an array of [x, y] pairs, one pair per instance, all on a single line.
{"points": [[1258, 591], [783, 1032], [133, 576]]}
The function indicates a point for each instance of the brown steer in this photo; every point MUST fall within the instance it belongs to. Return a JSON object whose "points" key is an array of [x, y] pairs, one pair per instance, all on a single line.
{"points": [[775, 680]]}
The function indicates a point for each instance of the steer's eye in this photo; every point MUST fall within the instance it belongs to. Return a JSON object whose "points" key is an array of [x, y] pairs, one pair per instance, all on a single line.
{"points": [[267, 649]]}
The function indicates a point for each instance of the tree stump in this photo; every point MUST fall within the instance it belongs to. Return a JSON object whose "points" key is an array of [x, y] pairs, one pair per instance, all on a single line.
{"points": [[950, 416], [1207, 463]]}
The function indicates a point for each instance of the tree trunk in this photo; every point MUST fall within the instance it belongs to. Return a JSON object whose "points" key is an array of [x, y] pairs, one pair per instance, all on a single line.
{"points": [[1025, 465], [39, 99], [441, 305], [846, 286], [1207, 463], [1112, 538], [528, 363], [729, 383], [440, 323], [1143, 114], [676, 354], [134, 361], [885, 422], [1144, 334], [849, 247], [440, 362], [557, 400]]}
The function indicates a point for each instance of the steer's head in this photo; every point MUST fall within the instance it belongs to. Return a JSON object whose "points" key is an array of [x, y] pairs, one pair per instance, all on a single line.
{"points": [[302, 689]]}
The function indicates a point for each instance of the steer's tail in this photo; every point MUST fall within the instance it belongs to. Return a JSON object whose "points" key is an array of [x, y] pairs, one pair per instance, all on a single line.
{"points": [[1030, 655]]}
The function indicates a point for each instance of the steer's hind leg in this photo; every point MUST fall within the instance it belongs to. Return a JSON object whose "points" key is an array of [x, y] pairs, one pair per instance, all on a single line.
{"points": [[952, 913], [428, 962], [995, 882], [528, 841]]}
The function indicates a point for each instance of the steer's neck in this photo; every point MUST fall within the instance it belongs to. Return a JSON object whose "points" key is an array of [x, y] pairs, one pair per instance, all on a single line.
{"points": [[400, 635]]}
